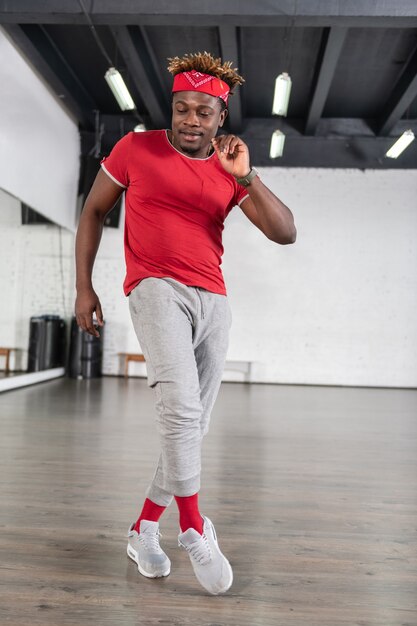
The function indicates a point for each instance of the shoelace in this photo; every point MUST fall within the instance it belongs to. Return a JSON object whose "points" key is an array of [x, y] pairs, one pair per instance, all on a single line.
{"points": [[199, 550], [150, 541]]}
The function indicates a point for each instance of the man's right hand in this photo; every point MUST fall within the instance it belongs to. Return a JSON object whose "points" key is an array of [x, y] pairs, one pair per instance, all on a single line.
{"points": [[102, 197], [86, 304]]}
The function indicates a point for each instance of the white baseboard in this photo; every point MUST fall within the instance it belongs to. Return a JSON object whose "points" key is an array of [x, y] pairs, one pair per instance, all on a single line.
{"points": [[31, 378]]}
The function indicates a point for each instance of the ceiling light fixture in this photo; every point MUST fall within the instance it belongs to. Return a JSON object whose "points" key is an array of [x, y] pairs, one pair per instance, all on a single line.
{"points": [[113, 77], [120, 91], [400, 145], [281, 94], [277, 144]]}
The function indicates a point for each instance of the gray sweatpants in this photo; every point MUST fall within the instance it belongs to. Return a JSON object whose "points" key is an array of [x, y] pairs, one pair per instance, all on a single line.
{"points": [[183, 332]]}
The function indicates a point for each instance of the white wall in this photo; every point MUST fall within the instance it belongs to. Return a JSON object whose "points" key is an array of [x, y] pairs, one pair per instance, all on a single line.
{"points": [[39, 143], [338, 307]]}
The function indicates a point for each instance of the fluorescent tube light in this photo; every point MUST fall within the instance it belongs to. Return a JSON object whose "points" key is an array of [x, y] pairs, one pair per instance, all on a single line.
{"points": [[281, 94], [400, 145], [120, 91], [277, 144], [140, 128]]}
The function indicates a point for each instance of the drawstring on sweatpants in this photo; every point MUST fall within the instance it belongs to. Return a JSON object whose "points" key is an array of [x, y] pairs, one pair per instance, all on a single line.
{"points": [[201, 302]]}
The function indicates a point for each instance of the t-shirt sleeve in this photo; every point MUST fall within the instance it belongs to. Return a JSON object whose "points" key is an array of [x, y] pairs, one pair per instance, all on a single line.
{"points": [[241, 194], [116, 165]]}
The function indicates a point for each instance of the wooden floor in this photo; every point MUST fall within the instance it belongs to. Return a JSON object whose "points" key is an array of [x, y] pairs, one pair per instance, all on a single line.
{"points": [[313, 492]]}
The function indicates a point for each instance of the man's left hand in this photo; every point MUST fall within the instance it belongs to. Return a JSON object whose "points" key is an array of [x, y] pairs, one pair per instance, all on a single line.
{"points": [[233, 154]]}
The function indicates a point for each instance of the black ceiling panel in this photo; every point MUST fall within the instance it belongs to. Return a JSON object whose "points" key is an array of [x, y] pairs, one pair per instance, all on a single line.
{"points": [[370, 63], [91, 64], [80, 50], [353, 67], [266, 53], [411, 112], [169, 41]]}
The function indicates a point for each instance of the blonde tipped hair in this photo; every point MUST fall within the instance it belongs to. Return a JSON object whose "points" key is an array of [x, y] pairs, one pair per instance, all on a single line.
{"points": [[207, 64]]}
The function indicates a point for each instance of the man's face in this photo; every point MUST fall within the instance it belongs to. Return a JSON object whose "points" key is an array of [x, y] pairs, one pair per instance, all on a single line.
{"points": [[195, 119]]}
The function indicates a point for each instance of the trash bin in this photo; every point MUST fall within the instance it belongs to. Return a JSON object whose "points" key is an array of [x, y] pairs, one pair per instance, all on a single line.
{"points": [[86, 353], [47, 342]]}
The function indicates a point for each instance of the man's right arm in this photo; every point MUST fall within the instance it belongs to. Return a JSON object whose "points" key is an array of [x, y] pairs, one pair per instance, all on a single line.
{"points": [[101, 199]]}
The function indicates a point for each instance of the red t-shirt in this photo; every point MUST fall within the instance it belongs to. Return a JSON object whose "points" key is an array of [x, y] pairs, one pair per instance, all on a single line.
{"points": [[175, 208]]}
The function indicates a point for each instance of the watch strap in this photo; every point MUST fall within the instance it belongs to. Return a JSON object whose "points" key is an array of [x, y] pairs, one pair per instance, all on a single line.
{"points": [[246, 180]]}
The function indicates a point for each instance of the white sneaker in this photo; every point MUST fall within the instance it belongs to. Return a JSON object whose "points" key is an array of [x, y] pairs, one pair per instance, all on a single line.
{"points": [[144, 549], [211, 567]]}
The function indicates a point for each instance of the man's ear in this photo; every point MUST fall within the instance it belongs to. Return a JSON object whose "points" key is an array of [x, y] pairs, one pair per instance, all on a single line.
{"points": [[223, 116]]}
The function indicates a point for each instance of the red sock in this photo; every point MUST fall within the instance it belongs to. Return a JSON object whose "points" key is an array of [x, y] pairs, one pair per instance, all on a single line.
{"points": [[151, 512], [189, 514]]}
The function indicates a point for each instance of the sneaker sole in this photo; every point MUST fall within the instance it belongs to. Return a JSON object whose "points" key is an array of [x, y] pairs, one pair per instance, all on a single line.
{"points": [[132, 554], [228, 584], [229, 567]]}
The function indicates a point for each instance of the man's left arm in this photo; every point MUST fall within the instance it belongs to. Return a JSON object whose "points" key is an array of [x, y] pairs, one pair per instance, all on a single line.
{"points": [[262, 207]]}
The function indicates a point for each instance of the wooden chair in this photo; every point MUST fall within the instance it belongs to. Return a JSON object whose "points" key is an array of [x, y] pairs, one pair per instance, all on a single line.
{"points": [[6, 352], [130, 356]]}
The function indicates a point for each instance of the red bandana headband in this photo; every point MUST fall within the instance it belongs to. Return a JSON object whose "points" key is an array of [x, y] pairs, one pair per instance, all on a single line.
{"points": [[197, 81]]}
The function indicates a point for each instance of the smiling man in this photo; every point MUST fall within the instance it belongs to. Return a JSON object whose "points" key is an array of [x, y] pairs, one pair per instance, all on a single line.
{"points": [[180, 186]]}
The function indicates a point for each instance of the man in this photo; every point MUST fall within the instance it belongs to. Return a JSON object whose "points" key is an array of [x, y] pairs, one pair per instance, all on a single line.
{"points": [[180, 185]]}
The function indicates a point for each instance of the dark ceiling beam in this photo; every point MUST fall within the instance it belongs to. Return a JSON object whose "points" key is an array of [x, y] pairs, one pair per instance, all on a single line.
{"points": [[135, 54], [81, 107], [328, 128], [336, 145], [229, 52], [401, 97], [359, 13], [153, 61], [332, 44], [340, 143]]}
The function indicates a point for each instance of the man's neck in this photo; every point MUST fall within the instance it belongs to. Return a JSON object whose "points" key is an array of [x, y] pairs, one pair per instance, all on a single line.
{"points": [[193, 155]]}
